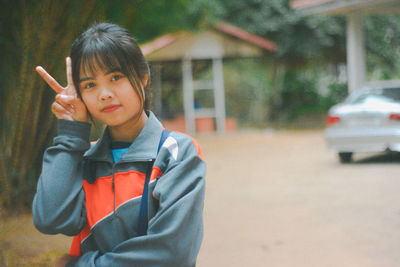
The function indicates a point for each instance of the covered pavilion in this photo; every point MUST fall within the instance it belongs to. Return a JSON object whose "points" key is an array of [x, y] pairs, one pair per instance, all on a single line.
{"points": [[221, 41]]}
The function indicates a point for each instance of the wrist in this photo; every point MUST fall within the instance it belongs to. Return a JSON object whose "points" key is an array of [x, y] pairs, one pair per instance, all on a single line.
{"points": [[80, 117], [74, 128]]}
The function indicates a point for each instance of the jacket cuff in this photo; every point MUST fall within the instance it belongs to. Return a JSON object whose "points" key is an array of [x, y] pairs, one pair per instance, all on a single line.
{"points": [[74, 128], [72, 262]]}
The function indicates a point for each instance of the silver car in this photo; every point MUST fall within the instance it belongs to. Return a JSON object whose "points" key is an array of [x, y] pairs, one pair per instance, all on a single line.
{"points": [[367, 121]]}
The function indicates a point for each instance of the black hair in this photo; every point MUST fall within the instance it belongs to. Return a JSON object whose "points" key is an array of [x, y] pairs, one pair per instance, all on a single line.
{"points": [[108, 47]]}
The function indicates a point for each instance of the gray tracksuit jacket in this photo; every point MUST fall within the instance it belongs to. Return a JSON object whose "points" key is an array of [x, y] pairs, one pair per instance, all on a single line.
{"points": [[82, 193]]}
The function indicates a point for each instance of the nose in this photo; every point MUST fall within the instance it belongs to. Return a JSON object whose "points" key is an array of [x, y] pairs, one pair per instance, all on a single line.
{"points": [[106, 94]]}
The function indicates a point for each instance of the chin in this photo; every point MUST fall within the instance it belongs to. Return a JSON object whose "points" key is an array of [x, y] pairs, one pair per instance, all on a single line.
{"points": [[113, 124], [116, 123], [120, 121]]}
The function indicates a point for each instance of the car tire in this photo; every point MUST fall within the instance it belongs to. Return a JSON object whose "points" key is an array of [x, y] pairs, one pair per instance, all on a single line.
{"points": [[345, 157]]}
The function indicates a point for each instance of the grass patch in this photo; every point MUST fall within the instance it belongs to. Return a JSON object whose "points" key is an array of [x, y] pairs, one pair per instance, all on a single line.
{"points": [[22, 245]]}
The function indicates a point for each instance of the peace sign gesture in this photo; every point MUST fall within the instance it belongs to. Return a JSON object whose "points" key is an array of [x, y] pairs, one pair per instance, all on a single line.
{"points": [[67, 104]]}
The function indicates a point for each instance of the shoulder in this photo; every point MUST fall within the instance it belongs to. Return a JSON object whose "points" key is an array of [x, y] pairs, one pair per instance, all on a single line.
{"points": [[92, 145], [181, 146], [182, 168]]}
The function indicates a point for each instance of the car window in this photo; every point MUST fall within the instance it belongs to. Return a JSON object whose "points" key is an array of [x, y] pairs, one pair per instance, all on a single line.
{"points": [[391, 94], [364, 97]]}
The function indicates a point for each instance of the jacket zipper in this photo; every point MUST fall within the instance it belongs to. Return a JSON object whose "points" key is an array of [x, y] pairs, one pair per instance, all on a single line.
{"points": [[113, 186], [113, 178]]}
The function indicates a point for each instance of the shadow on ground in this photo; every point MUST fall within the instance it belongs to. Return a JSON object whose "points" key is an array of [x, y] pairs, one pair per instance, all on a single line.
{"points": [[385, 158]]}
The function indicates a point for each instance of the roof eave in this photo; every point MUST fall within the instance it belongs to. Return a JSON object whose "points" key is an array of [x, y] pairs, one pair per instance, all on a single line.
{"points": [[161, 42], [334, 7], [246, 36], [168, 39]]}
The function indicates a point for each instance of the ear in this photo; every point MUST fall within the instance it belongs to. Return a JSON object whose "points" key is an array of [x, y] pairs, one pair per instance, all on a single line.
{"points": [[145, 80]]}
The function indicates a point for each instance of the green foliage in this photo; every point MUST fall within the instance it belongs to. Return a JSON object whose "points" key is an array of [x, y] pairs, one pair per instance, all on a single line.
{"points": [[172, 93], [300, 100], [247, 88], [299, 94], [337, 93], [383, 52], [203, 13], [298, 38], [151, 18]]}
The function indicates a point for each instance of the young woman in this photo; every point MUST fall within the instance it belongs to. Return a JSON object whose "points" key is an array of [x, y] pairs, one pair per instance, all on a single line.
{"points": [[135, 197]]}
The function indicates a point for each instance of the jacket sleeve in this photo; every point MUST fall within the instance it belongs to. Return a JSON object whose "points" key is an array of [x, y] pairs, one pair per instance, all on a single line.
{"points": [[175, 232], [58, 205]]}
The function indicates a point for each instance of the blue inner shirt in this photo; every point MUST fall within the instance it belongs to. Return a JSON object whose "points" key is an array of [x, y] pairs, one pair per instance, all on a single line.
{"points": [[118, 149]]}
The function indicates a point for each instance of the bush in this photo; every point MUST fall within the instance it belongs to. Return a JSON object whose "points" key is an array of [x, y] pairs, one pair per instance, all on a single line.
{"points": [[248, 86]]}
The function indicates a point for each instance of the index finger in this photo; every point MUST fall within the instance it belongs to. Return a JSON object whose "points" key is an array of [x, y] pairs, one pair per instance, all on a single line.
{"points": [[71, 88], [49, 79], [69, 71]]}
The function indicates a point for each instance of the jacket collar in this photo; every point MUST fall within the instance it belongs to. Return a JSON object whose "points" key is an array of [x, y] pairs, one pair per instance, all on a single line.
{"points": [[143, 148]]}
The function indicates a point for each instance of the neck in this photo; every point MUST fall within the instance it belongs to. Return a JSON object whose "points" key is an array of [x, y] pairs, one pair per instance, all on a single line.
{"points": [[128, 131]]}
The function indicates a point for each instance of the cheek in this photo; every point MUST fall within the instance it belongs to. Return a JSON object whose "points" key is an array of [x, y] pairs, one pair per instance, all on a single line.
{"points": [[134, 101], [129, 95], [90, 102], [135, 97]]}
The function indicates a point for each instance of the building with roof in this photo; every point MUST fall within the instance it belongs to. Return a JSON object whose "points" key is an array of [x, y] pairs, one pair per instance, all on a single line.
{"points": [[215, 44], [354, 11]]}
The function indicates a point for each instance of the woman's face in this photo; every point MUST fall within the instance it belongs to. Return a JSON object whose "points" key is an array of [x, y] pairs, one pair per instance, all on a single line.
{"points": [[110, 97]]}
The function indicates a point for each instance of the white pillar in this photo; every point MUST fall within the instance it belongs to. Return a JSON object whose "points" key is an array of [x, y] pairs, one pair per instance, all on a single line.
{"points": [[188, 96], [219, 95], [355, 51]]}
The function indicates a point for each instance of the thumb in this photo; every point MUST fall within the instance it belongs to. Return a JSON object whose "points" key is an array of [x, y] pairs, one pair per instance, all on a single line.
{"points": [[77, 104], [79, 109], [72, 103], [65, 99], [70, 100]]}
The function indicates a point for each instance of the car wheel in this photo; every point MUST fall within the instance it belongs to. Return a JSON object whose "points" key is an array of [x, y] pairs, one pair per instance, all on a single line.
{"points": [[345, 157]]}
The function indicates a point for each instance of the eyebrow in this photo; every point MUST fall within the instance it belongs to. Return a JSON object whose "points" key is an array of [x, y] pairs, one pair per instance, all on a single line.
{"points": [[116, 69], [85, 79]]}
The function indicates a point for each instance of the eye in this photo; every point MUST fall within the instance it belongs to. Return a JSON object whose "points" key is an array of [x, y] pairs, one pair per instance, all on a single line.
{"points": [[116, 77], [88, 85]]}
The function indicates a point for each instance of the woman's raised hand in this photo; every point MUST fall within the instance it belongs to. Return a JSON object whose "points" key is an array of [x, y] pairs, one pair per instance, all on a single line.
{"points": [[67, 105]]}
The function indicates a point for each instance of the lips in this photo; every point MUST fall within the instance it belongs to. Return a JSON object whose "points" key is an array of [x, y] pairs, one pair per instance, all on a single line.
{"points": [[110, 108]]}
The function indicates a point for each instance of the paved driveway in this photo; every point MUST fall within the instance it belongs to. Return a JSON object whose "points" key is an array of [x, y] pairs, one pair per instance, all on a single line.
{"points": [[281, 199]]}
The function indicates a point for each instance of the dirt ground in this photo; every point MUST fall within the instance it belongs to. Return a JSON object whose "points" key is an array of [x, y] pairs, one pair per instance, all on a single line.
{"points": [[273, 199], [281, 199]]}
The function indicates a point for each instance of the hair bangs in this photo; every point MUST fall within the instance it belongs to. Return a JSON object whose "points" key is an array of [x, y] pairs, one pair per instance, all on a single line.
{"points": [[101, 56]]}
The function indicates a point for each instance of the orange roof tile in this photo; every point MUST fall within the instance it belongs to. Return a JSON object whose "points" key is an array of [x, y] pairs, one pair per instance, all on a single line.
{"points": [[168, 39], [246, 36], [161, 42], [307, 3]]}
